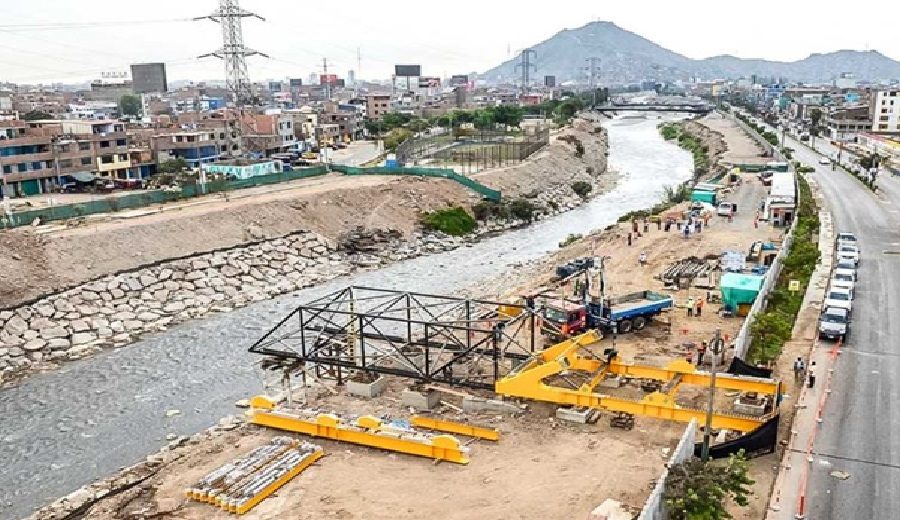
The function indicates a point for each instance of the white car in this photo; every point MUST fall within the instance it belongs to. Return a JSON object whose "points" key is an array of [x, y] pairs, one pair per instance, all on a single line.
{"points": [[846, 263], [824, 160], [844, 281], [839, 297], [848, 252], [846, 237], [725, 209]]}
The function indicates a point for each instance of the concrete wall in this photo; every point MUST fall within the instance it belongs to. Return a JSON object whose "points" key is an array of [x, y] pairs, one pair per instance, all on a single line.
{"points": [[654, 507]]}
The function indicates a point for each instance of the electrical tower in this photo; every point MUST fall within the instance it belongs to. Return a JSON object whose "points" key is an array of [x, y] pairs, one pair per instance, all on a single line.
{"points": [[527, 66], [592, 71], [234, 54]]}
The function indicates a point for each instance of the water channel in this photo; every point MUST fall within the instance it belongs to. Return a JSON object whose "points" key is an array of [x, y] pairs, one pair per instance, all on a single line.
{"points": [[67, 428]]}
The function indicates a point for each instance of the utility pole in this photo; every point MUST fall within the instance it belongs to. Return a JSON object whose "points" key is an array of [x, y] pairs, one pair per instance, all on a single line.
{"points": [[527, 66], [325, 77], [592, 77], [234, 54], [716, 347]]}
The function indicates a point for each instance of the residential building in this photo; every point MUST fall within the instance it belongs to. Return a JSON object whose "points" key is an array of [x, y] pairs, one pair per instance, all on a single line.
{"points": [[149, 78], [377, 105], [26, 159], [885, 111], [844, 123], [196, 147], [107, 141], [108, 90]]}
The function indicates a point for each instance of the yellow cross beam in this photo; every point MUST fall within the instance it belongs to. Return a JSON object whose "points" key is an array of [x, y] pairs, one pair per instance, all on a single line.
{"points": [[469, 430]]}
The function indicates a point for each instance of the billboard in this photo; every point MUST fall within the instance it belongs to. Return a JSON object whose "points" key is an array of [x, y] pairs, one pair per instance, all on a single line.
{"points": [[327, 79], [296, 82], [274, 86], [429, 82], [407, 70], [459, 80]]}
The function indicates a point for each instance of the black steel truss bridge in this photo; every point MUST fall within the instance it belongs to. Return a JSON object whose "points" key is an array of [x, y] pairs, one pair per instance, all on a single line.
{"points": [[364, 331]]}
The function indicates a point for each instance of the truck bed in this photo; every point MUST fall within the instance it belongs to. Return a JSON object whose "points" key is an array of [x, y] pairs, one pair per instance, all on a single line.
{"points": [[641, 303]]}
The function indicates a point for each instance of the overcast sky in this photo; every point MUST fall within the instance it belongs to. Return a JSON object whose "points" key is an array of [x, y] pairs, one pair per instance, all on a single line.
{"points": [[452, 37]]}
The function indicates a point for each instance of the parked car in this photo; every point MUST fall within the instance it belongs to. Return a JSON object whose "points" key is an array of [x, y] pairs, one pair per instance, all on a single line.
{"points": [[839, 297], [848, 252], [845, 237], [834, 323], [725, 209], [844, 280]]}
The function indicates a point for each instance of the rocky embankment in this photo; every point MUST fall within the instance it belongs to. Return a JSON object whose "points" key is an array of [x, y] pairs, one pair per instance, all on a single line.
{"points": [[714, 141]]}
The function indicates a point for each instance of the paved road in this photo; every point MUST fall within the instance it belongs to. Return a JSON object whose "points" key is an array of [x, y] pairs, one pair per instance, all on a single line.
{"points": [[860, 433], [356, 153]]}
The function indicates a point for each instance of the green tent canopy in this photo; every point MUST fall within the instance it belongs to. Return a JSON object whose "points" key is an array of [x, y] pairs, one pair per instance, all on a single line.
{"points": [[739, 288]]}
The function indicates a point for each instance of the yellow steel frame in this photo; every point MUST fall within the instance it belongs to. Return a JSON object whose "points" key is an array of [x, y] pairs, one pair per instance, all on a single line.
{"points": [[469, 430], [528, 382], [367, 431]]}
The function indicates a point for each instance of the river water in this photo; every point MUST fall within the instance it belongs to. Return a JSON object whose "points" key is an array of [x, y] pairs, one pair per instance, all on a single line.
{"points": [[67, 428]]}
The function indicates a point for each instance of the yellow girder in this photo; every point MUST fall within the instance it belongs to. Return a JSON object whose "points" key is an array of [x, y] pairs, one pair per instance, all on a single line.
{"points": [[367, 431], [469, 430], [691, 376]]}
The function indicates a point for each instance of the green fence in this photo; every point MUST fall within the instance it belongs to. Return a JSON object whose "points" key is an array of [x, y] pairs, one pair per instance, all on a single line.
{"points": [[146, 198], [443, 173]]}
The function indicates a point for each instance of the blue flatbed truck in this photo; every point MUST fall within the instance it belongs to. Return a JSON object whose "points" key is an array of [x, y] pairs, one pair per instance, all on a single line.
{"points": [[623, 314]]}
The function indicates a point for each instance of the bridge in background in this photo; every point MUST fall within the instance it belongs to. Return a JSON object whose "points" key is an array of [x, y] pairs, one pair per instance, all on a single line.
{"points": [[641, 107]]}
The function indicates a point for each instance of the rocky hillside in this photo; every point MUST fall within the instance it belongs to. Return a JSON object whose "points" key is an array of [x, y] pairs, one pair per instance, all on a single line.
{"points": [[626, 57]]}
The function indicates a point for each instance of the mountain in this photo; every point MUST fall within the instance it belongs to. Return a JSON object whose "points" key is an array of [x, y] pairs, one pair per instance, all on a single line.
{"points": [[627, 57]]}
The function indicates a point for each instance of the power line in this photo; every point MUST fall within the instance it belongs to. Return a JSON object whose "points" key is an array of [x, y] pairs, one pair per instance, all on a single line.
{"points": [[82, 25]]}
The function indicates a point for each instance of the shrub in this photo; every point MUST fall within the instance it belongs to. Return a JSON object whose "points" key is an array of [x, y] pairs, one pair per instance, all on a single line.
{"points": [[522, 209], [582, 188], [571, 239], [579, 150], [453, 221]]}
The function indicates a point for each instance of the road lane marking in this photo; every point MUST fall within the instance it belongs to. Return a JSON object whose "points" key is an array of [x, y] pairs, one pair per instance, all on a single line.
{"points": [[849, 459]]}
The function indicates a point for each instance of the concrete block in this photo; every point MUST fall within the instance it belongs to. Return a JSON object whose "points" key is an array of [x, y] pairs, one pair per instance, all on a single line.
{"points": [[420, 400], [480, 404], [612, 382], [373, 389], [578, 415], [753, 409]]}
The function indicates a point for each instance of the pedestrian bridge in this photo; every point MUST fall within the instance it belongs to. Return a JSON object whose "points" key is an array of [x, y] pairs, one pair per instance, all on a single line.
{"points": [[702, 108]]}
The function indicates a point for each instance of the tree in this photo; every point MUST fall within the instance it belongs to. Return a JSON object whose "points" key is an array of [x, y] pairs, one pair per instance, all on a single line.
{"points": [[130, 105], [484, 119], [509, 115], [815, 115], [697, 490], [172, 166], [418, 125], [35, 115], [373, 127], [393, 120]]}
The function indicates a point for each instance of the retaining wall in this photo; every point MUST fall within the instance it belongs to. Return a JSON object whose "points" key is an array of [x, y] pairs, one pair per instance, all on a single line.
{"points": [[655, 506]]}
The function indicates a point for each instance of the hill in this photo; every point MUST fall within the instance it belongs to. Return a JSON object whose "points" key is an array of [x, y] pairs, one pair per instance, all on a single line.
{"points": [[627, 57]]}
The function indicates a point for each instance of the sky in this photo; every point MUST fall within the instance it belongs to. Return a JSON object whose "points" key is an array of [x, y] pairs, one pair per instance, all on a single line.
{"points": [[454, 37]]}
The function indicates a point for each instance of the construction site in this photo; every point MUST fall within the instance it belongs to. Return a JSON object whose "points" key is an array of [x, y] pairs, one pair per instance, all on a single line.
{"points": [[565, 384]]}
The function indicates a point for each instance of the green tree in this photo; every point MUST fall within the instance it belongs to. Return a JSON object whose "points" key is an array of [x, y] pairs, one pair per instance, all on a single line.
{"points": [[394, 120], [172, 166], [130, 105], [418, 125], [509, 115], [582, 188], [35, 115], [815, 115], [484, 119], [396, 136], [697, 490]]}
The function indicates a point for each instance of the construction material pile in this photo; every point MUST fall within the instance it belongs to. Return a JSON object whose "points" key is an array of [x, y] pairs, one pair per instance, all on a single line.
{"points": [[683, 272], [240, 485], [362, 240]]}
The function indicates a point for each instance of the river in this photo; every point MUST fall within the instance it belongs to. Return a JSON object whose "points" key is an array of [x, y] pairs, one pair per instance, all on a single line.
{"points": [[63, 429]]}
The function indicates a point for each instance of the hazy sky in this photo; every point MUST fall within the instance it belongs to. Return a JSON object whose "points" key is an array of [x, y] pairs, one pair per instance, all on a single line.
{"points": [[456, 36]]}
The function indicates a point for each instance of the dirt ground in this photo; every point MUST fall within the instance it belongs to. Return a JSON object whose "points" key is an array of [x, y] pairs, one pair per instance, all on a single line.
{"points": [[740, 148], [34, 262], [540, 468]]}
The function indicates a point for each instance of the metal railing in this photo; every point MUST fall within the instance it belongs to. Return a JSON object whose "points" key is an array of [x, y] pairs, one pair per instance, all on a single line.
{"points": [[470, 153]]}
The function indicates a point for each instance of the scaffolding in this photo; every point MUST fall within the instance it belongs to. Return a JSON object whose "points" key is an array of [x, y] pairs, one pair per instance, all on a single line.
{"points": [[362, 332]]}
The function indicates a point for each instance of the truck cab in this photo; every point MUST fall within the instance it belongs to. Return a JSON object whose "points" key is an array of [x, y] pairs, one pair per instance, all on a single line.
{"points": [[563, 319], [834, 323]]}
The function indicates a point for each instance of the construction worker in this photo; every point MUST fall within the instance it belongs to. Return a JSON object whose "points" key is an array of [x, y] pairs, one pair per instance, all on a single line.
{"points": [[687, 231], [699, 306], [642, 259], [701, 352], [690, 307]]}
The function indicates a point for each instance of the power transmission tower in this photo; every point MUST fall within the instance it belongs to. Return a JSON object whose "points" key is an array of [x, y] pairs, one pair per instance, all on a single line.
{"points": [[234, 54], [527, 66], [592, 76], [325, 77]]}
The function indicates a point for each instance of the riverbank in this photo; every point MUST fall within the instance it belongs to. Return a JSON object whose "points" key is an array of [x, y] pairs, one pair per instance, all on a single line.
{"points": [[498, 481], [116, 309], [47, 259], [120, 397]]}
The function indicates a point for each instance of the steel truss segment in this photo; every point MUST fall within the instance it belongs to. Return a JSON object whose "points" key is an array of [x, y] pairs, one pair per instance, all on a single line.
{"points": [[426, 337]]}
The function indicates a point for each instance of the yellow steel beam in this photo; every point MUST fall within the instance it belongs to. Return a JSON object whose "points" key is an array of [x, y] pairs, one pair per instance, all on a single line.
{"points": [[657, 405], [273, 487], [691, 376], [367, 432], [469, 430]]}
